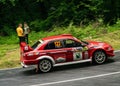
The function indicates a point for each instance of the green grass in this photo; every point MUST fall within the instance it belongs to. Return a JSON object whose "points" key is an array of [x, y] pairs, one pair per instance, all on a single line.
{"points": [[9, 55], [9, 47]]}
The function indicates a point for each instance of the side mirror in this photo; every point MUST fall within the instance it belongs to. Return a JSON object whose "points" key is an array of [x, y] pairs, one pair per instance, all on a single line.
{"points": [[85, 48], [84, 45]]}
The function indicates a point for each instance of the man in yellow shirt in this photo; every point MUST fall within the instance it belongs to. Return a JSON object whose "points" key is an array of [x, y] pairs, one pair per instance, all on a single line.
{"points": [[20, 33]]}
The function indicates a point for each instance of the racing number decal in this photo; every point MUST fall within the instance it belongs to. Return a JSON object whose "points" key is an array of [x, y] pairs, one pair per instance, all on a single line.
{"points": [[57, 44]]}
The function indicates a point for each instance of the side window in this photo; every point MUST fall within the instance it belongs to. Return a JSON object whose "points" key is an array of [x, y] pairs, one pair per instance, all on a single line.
{"points": [[54, 45], [71, 43]]}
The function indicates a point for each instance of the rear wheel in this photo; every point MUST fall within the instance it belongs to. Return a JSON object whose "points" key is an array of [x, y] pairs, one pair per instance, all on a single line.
{"points": [[45, 65], [99, 57]]}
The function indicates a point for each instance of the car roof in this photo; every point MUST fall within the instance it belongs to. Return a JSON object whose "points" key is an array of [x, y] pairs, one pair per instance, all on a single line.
{"points": [[62, 36]]}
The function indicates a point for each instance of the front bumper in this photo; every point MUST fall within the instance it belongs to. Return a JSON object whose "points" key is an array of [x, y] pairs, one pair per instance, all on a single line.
{"points": [[110, 53]]}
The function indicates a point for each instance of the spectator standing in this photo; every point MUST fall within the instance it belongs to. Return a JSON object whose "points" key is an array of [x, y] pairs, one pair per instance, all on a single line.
{"points": [[26, 32], [20, 33]]}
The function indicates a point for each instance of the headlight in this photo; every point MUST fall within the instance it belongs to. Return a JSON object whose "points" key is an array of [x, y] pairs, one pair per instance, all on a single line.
{"points": [[109, 48]]}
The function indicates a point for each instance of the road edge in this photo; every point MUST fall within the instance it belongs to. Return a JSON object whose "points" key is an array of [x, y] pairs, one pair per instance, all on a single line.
{"points": [[21, 67]]}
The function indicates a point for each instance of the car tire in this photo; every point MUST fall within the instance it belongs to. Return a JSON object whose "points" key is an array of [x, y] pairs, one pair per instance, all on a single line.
{"points": [[99, 57], [45, 65]]}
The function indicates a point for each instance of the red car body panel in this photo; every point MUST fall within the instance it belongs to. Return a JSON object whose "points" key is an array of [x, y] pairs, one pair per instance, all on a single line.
{"points": [[30, 56]]}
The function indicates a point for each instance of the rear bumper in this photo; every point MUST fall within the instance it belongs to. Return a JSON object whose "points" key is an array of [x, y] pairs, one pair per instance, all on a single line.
{"points": [[28, 63], [25, 66]]}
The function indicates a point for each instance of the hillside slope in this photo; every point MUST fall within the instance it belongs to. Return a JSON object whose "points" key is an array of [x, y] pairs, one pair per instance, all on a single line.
{"points": [[9, 52]]}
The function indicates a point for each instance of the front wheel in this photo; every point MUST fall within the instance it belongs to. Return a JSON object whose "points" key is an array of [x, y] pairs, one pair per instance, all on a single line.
{"points": [[99, 57], [45, 65]]}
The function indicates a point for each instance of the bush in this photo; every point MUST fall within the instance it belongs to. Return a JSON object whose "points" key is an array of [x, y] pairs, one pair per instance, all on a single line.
{"points": [[6, 31], [42, 25]]}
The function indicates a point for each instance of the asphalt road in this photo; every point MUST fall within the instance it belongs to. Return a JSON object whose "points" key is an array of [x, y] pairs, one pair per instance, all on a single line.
{"points": [[84, 74]]}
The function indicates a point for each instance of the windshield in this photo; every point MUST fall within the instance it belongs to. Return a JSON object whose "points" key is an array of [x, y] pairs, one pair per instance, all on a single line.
{"points": [[38, 43], [84, 42]]}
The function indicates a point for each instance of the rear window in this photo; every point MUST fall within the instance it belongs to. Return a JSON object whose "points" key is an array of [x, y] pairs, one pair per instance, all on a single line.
{"points": [[38, 43]]}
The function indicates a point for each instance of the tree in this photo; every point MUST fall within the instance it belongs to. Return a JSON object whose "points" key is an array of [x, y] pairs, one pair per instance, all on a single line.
{"points": [[43, 14], [112, 11]]}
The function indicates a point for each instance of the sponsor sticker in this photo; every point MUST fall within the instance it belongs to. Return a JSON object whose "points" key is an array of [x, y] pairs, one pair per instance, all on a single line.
{"points": [[86, 55], [60, 59], [77, 53]]}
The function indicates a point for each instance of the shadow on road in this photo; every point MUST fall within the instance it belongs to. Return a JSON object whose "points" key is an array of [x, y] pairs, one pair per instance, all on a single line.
{"points": [[31, 71], [80, 65]]}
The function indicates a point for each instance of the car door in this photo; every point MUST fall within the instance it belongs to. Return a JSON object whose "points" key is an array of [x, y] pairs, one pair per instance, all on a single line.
{"points": [[56, 51], [75, 50]]}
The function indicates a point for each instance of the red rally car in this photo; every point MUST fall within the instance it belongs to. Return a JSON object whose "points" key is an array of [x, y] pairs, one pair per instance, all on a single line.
{"points": [[63, 50]]}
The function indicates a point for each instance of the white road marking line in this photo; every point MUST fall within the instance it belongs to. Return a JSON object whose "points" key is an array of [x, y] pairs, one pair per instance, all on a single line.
{"points": [[77, 79]]}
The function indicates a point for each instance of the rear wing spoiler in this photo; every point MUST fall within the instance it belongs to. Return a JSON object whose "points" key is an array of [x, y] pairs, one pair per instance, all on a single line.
{"points": [[24, 47]]}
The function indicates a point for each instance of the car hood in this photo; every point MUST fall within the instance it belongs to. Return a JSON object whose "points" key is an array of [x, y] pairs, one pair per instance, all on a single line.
{"points": [[96, 44]]}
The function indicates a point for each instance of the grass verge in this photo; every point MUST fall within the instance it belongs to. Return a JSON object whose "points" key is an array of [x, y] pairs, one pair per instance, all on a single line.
{"points": [[9, 48]]}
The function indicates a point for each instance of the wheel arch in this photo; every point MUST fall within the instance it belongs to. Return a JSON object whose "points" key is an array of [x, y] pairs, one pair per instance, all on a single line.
{"points": [[46, 57], [99, 50]]}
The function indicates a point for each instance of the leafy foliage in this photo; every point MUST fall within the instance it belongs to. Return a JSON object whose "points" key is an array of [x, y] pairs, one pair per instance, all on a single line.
{"points": [[43, 14]]}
